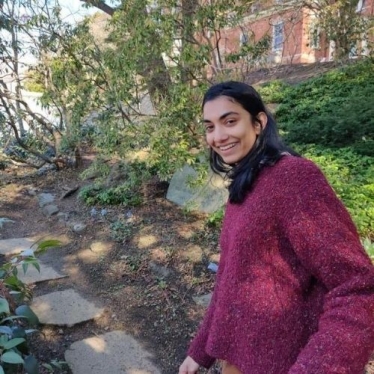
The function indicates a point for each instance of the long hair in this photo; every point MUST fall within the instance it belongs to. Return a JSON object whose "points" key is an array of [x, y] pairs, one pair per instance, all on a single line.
{"points": [[267, 150]]}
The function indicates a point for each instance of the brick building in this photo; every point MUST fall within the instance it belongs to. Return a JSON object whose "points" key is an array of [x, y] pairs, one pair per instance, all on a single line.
{"points": [[292, 31]]}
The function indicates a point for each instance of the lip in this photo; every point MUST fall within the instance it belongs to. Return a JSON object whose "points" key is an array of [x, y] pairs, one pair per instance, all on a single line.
{"points": [[227, 148]]}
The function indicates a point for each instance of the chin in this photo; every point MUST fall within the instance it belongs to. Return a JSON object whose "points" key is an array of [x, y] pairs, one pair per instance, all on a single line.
{"points": [[231, 160]]}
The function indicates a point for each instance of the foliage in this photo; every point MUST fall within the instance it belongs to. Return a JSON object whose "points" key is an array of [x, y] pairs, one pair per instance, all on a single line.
{"points": [[127, 193], [251, 53], [352, 177], [369, 247], [29, 28], [14, 324], [342, 23], [98, 169], [275, 91], [215, 219], [334, 110], [171, 46], [121, 231]]}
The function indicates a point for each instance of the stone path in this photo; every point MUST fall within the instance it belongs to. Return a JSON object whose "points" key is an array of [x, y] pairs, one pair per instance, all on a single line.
{"points": [[114, 352]]}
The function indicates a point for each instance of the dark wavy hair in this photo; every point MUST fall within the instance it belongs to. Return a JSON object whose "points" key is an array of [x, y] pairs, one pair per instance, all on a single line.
{"points": [[267, 150]]}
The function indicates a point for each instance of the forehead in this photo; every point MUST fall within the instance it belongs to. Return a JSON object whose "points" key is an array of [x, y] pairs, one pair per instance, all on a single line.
{"points": [[215, 108]]}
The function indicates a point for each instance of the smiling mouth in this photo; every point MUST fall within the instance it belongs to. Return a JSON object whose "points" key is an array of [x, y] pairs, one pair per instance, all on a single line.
{"points": [[227, 147]]}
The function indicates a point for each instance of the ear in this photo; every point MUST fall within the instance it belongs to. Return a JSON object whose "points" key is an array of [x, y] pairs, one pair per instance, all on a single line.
{"points": [[263, 118]]}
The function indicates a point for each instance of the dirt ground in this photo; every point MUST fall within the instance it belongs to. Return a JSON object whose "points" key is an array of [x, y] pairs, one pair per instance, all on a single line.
{"points": [[128, 275]]}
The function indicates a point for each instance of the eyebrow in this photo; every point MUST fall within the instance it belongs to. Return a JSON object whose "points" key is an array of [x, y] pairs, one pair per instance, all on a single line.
{"points": [[223, 116]]}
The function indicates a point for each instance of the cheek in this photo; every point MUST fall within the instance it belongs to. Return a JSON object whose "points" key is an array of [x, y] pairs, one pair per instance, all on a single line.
{"points": [[209, 139]]}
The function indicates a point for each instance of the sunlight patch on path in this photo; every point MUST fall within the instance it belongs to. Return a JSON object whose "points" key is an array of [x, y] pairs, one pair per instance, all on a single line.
{"points": [[114, 353]]}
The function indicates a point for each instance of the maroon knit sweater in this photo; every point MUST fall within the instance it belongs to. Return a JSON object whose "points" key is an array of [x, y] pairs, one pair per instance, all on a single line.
{"points": [[295, 290]]}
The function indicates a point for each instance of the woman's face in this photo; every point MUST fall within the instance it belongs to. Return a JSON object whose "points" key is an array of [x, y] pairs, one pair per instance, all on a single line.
{"points": [[229, 129]]}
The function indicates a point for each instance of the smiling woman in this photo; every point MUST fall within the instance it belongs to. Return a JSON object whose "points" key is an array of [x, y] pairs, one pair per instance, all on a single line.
{"points": [[230, 130], [295, 289]]}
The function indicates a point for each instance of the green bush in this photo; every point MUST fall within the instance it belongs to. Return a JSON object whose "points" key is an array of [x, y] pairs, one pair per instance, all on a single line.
{"points": [[127, 193], [352, 177], [334, 110], [275, 91]]}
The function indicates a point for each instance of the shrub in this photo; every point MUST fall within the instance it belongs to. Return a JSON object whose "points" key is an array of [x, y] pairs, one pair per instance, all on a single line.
{"points": [[352, 177], [127, 193], [275, 91], [334, 110]]}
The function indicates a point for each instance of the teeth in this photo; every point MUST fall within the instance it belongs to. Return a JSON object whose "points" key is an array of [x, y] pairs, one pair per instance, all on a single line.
{"points": [[227, 147]]}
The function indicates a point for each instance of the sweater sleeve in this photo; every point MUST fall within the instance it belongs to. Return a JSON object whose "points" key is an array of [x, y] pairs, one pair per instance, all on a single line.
{"points": [[320, 231], [197, 346]]}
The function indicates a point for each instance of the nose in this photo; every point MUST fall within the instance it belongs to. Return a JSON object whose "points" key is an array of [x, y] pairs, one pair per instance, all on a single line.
{"points": [[220, 135]]}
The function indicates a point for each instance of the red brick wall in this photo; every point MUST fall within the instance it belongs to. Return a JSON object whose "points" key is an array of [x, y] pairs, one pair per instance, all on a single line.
{"points": [[297, 46]]}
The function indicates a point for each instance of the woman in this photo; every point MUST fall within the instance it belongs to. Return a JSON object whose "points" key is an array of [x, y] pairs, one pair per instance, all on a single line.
{"points": [[295, 289]]}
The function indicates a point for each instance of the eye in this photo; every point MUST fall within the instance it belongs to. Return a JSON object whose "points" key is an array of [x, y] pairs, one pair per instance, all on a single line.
{"points": [[209, 128], [230, 121]]}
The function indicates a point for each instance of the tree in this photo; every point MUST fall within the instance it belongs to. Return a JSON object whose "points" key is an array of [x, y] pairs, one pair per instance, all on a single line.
{"points": [[342, 22], [29, 29]]}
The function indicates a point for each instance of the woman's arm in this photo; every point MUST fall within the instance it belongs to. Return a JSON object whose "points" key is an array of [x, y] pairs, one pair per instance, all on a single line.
{"points": [[325, 240]]}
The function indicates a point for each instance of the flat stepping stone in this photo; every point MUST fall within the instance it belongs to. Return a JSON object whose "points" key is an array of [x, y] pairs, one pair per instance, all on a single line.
{"points": [[34, 276], [14, 246], [18, 245], [64, 308], [114, 352]]}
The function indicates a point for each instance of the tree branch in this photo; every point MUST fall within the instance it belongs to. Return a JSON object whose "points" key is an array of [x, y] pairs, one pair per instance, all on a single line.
{"points": [[100, 5]]}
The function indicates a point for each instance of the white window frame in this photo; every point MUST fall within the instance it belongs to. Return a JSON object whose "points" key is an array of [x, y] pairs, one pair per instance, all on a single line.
{"points": [[314, 36], [278, 45], [360, 6]]}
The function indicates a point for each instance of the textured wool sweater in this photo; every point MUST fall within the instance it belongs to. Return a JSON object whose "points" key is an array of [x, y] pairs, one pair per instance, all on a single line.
{"points": [[295, 289]]}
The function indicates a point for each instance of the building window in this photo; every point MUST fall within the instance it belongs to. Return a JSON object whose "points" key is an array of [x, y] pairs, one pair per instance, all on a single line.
{"points": [[278, 36], [353, 53], [360, 5], [314, 36], [243, 39]]}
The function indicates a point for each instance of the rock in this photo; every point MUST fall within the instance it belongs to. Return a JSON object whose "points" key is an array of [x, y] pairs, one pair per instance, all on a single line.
{"points": [[5, 220], [50, 210], [31, 191], [64, 308], [32, 275], [79, 227], [15, 245], [203, 300], [113, 352], [158, 270], [45, 199], [69, 192], [45, 169], [207, 198], [62, 217]]}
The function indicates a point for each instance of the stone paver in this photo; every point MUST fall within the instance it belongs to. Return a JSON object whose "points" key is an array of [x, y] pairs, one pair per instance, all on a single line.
{"points": [[114, 353], [64, 308], [16, 245], [33, 276]]}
